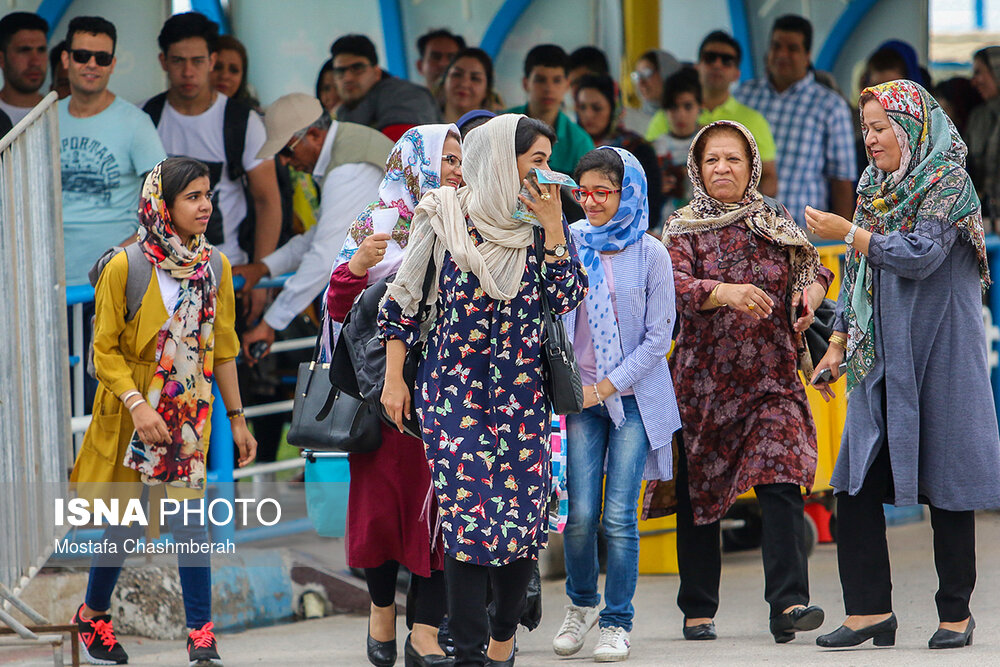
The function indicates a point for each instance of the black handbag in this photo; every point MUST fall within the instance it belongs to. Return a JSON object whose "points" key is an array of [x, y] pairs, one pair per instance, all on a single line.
{"points": [[367, 353], [818, 334], [324, 417], [562, 377]]}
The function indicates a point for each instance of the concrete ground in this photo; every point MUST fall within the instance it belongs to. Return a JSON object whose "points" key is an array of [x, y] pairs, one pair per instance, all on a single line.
{"points": [[656, 638]]}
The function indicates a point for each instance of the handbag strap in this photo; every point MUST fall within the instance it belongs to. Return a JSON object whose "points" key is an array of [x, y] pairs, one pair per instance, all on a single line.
{"points": [[548, 320]]}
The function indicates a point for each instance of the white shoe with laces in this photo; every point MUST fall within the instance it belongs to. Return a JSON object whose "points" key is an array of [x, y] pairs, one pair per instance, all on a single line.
{"points": [[613, 645], [574, 628]]}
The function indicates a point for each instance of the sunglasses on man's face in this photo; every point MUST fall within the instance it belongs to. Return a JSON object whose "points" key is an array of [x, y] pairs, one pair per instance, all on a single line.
{"points": [[710, 58], [83, 56]]}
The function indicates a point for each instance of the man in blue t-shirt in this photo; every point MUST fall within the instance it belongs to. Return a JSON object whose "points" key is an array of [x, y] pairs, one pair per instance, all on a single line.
{"points": [[106, 147]]}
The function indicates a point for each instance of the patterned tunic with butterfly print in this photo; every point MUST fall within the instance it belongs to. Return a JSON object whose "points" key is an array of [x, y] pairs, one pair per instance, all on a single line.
{"points": [[482, 405]]}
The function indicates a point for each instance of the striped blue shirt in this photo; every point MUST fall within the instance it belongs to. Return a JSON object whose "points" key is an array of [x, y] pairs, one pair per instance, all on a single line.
{"points": [[644, 292], [814, 136]]}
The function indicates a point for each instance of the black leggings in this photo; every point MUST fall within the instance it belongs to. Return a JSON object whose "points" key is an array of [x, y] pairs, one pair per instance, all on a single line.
{"points": [[699, 558], [863, 553], [468, 619], [427, 594]]}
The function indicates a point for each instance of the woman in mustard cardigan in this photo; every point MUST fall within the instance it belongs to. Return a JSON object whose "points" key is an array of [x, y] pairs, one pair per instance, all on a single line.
{"points": [[150, 430]]}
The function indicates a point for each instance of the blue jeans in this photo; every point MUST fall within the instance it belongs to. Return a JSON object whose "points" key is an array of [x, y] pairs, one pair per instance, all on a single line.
{"points": [[591, 436], [195, 569]]}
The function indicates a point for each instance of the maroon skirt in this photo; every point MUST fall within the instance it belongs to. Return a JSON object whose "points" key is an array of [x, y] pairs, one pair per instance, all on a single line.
{"points": [[391, 511]]}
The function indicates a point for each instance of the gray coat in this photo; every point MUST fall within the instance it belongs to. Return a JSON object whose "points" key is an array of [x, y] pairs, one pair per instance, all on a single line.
{"points": [[929, 393]]}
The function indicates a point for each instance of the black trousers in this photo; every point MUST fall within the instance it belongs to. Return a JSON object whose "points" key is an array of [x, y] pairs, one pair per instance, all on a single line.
{"points": [[863, 553], [427, 593], [469, 621], [699, 555]]}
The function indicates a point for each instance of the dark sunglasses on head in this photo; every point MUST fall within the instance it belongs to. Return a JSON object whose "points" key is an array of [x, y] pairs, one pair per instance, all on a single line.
{"points": [[709, 57], [83, 57]]}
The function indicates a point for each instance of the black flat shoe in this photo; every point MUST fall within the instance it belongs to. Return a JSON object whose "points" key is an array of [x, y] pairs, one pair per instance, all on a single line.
{"points": [[381, 654], [702, 632], [881, 634], [509, 662], [800, 619], [951, 639], [413, 659]]}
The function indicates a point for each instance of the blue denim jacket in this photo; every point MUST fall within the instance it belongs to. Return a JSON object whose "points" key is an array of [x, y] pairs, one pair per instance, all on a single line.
{"points": [[644, 292]]}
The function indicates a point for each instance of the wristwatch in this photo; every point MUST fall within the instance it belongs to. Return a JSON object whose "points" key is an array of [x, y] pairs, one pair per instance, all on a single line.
{"points": [[849, 239], [558, 251]]}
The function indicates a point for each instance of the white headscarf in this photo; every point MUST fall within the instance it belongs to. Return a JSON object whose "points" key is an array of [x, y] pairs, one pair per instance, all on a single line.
{"points": [[488, 198]]}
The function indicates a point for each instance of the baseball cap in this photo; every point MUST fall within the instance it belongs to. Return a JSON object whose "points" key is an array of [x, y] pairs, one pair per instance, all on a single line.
{"points": [[286, 116]]}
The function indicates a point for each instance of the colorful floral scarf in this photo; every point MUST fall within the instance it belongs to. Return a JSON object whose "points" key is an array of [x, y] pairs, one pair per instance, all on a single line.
{"points": [[930, 182], [412, 170], [627, 226], [181, 388], [706, 213]]}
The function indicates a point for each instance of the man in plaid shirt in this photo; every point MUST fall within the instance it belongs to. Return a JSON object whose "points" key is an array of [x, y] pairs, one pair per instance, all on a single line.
{"points": [[811, 125]]}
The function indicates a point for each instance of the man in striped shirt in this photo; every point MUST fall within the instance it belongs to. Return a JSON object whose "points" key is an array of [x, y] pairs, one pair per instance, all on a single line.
{"points": [[811, 125]]}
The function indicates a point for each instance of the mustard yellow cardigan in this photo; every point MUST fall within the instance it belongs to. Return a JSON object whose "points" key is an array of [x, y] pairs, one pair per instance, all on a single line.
{"points": [[125, 359]]}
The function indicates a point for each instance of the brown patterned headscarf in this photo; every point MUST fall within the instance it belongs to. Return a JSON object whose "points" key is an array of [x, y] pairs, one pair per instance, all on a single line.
{"points": [[768, 220]]}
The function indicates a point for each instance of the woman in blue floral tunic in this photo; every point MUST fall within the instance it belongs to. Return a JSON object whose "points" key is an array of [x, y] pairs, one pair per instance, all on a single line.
{"points": [[481, 399]]}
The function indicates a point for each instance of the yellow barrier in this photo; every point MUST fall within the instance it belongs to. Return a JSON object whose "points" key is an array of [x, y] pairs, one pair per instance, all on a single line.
{"points": [[657, 537]]}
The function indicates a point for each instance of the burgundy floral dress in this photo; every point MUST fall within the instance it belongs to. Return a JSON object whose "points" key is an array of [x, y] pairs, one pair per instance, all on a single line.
{"points": [[746, 420]]}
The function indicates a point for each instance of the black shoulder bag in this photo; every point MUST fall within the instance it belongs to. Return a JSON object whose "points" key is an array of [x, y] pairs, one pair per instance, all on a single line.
{"points": [[367, 353], [326, 418], [562, 377]]}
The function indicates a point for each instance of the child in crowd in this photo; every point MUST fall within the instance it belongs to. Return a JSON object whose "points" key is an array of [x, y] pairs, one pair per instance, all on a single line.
{"points": [[682, 101]]}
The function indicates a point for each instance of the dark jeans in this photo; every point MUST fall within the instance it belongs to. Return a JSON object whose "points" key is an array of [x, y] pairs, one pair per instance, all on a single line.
{"points": [[195, 569], [468, 619], [428, 592], [863, 553], [699, 557]]}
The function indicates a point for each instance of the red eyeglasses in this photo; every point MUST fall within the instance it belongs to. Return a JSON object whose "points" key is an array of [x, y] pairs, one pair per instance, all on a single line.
{"points": [[600, 196]]}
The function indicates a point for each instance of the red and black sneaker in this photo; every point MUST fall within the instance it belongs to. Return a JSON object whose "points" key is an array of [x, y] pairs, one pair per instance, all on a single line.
{"points": [[203, 650], [97, 639]]}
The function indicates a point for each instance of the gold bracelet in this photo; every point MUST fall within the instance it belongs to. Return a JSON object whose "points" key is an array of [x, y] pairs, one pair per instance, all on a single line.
{"points": [[713, 299], [839, 340]]}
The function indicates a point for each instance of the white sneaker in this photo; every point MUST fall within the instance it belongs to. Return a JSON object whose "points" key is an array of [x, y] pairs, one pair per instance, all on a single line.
{"points": [[576, 625], [613, 645]]}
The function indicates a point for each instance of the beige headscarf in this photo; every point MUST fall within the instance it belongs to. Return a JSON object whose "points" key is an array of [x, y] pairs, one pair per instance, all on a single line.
{"points": [[488, 198]]}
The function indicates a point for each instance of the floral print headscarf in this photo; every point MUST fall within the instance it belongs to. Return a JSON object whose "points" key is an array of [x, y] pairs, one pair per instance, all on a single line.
{"points": [[627, 226], [181, 388], [412, 170], [931, 182]]}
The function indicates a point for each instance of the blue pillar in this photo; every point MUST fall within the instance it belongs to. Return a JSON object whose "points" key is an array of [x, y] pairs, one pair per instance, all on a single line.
{"points": [[394, 38], [741, 33], [220, 466], [842, 30], [53, 11], [980, 14], [213, 10], [501, 25]]}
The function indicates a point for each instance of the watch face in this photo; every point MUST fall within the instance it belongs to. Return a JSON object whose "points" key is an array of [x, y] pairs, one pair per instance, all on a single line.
{"points": [[560, 250]]}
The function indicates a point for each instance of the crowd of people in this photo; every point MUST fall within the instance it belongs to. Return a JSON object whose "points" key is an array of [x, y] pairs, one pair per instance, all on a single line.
{"points": [[681, 265]]}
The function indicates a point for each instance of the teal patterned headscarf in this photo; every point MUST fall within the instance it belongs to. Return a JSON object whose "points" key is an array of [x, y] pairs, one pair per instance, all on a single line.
{"points": [[931, 182]]}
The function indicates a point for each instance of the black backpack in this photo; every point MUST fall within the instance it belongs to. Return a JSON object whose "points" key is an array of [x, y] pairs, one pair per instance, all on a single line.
{"points": [[234, 136], [140, 271]]}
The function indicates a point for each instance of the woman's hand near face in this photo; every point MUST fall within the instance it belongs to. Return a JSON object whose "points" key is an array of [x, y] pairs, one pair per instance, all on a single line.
{"points": [[832, 359], [825, 225], [547, 210], [746, 298], [149, 425], [369, 253]]}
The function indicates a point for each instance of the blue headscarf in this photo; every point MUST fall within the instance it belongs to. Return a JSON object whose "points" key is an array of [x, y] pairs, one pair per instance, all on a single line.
{"points": [[627, 226]]}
